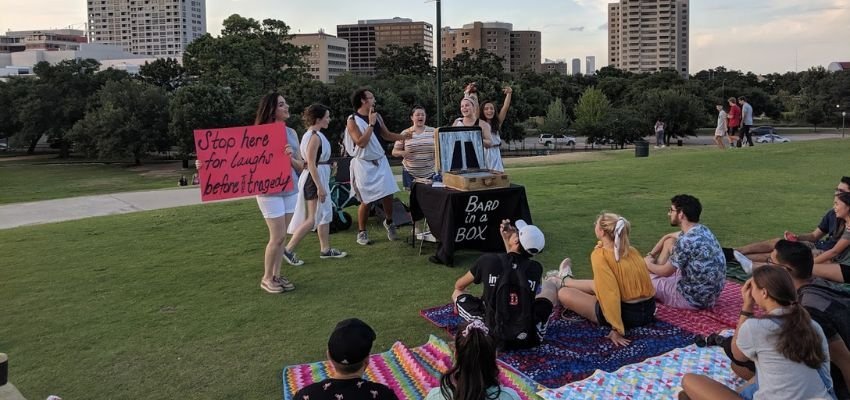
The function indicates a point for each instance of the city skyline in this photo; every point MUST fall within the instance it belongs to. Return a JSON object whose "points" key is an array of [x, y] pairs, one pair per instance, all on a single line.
{"points": [[761, 36]]}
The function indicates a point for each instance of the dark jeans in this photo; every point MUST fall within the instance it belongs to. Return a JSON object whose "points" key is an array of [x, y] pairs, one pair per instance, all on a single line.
{"points": [[745, 131]]}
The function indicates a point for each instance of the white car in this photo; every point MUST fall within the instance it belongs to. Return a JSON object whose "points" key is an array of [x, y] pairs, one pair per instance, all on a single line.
{"points": [[772, 138], [548, 139]]}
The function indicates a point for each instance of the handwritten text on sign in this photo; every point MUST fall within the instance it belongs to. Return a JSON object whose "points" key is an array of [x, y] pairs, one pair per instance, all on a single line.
{"points": [[477, 219], [243, 161]]}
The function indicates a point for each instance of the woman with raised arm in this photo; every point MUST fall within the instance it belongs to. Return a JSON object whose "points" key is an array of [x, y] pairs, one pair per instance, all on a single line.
{"points": [[488, 114]]}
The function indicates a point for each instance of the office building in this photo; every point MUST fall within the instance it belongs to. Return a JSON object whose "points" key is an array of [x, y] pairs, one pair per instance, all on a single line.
{"points": [[649, 35], [576, 66], [161, 28], [367, 37], [554, 66], [328, 56], [21, 63], [590, 65], [519, 49]]}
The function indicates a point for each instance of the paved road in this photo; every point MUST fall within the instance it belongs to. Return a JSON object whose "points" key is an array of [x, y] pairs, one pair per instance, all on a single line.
{"points": [[531, 142]]}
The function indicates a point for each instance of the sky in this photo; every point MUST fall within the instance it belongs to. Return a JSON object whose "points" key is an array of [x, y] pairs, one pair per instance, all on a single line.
{"points": [[761, 36]]}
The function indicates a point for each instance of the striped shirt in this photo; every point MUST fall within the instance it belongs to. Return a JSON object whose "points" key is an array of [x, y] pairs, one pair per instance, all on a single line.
{"points": [[419, 160]]}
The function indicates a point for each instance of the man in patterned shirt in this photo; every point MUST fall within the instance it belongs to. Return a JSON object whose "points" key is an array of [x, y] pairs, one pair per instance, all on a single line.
{"points": [[687, 267], [348, 352]]}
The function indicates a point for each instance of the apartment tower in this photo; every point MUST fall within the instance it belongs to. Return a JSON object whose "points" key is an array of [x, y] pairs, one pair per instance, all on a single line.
{"points": [[649, 35], [161, 28], [328, 56], [519, 49], [367, 37]]}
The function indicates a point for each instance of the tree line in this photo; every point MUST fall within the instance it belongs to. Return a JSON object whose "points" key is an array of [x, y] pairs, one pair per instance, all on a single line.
{"points": [[115, 115]]}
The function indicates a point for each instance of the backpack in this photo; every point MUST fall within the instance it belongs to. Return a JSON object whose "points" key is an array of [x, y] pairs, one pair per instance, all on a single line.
{"points": [[831, 294], [512, 293]]}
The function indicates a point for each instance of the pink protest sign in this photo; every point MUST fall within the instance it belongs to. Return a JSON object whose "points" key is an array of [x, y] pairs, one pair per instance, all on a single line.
{"points": [[243, 161]]}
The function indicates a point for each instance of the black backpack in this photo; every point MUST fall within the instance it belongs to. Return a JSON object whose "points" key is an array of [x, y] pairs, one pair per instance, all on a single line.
{"points": [[832, 294], [509, 313]]}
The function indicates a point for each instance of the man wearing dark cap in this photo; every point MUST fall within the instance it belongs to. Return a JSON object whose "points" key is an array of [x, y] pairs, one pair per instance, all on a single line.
{"points": [[513, 305], [348, 351]]}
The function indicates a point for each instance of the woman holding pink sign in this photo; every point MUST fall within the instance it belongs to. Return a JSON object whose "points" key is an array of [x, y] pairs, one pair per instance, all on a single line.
{"points": [[277, 208]]}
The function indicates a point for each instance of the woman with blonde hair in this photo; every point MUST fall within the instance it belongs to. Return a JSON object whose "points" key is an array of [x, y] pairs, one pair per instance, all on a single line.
{"points": [[620, 295]]}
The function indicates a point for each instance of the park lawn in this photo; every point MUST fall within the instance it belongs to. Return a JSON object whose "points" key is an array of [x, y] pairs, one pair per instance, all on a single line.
{"points": [[166, 304], [51, 179]]}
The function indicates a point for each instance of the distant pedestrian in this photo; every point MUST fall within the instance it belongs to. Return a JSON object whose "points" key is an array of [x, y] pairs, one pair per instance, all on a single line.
{"points": [[734, 117], [659, 134], [182, 181], [722, 126], [746, 121]]}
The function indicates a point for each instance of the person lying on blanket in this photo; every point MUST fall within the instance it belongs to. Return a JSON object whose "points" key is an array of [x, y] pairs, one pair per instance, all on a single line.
{"points": [[475, 374], [788, 349], [348, 351], [687, 267], [827, 304], [513, 306], [620, 296]]}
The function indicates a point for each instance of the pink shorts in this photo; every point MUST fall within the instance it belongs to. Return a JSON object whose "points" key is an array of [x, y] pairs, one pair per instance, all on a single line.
{"points": [[667, 291]]}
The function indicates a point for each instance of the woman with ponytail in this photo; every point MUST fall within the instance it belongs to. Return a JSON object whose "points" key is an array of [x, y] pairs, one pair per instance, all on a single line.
{"points": [[620, 295], [789, 349], [475, 374]]}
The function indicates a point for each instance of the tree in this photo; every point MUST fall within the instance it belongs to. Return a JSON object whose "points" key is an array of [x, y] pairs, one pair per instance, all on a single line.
{"points": [[198, 107], [166, 73], [626, 126], [126, 119], [404, 60], [592, 109], [476, 62], [556, 118], [250, 58], [681, 112]]}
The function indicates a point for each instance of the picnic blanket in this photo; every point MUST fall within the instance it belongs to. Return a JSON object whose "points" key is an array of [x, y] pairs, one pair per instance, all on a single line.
{"points": [[723, 315], [574, 347], [410, 373], [655, 378]]}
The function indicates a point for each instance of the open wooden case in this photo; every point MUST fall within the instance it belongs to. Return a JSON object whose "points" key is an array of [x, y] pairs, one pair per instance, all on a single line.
{"points": [[460, 159]]}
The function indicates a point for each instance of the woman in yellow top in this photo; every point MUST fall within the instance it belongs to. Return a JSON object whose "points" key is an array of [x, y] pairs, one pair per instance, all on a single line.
{"points": [[621, 294]]}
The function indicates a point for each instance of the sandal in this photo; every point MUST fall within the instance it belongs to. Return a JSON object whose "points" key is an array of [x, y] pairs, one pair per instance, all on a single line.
{"points": [[271, 288], [285, 284]]}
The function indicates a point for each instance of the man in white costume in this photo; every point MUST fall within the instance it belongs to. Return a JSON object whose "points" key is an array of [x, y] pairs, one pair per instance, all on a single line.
{"points": [[371, 176]]}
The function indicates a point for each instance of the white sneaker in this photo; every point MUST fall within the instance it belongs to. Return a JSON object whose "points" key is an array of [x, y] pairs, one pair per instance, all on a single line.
{"points": [[392, 233], [745, 262], [363, 238]]}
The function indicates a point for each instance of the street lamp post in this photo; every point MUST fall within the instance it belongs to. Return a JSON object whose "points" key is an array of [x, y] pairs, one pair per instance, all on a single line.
{"points": [[843, 114], [439, 65]]}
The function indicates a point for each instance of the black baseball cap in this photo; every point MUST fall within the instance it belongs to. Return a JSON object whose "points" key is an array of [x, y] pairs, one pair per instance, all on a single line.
{"points": [[351, 341]]}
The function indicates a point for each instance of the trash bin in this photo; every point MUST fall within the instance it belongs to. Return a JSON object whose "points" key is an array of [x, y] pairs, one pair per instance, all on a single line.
{"points": [[641, 148]]}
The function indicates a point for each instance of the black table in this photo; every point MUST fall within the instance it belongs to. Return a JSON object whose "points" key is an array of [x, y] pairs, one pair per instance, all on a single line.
{"points": [[467, 220]]}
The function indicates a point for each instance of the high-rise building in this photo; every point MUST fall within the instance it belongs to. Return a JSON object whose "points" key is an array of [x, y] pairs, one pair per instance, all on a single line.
{"points": [[554, 66], [590, 65], [367, 37], [649, 35], [47, 39], [328, 56], [147, 27], [519, 49], [576, 66]]}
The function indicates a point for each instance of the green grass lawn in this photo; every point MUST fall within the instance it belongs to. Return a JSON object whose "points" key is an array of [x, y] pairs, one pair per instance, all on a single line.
{"points": [[166, 304], [52, 179]]}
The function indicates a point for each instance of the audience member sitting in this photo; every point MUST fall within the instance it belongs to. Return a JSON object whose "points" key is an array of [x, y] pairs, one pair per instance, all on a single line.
{"points": [[687, 268], [348, 350], [788, 348], [834, 264], [513, 306], [823, 238], [620, 296], [475, 374]]}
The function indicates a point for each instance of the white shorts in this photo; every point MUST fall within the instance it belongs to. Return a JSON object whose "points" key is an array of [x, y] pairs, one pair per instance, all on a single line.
{"points": [[720, 133], [276, 206]]}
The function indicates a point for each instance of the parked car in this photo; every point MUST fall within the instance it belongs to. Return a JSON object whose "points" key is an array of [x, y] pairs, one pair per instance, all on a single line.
{"points": [[548, 139], [4, 147], [771, 138], [763, 130]]}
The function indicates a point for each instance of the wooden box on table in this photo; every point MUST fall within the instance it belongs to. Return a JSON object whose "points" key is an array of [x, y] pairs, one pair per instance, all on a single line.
{"points": [[460, 159]]}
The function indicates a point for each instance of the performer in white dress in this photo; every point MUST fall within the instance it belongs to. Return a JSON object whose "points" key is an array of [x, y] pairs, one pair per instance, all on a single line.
{"points": [[371, 176], [469, 112], [314, 208], [488, 114]]}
